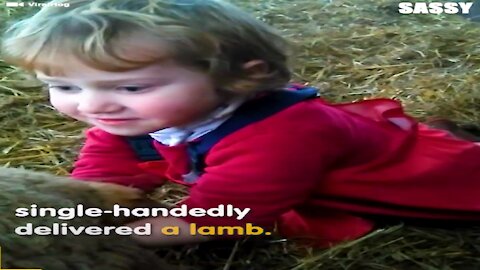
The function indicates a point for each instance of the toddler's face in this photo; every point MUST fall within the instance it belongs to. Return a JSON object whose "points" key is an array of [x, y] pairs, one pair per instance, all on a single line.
{"points": [[133, 102]]}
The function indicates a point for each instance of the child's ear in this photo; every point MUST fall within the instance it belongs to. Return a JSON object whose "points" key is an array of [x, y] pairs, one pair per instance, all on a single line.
{"points": [[255, 68]]}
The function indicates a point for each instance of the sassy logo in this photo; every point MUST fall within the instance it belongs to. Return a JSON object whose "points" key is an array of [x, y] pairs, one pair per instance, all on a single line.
{"points": [[11, 269], [434, 7]]}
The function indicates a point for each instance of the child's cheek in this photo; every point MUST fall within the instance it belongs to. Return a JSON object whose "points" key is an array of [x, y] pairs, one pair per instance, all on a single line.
{"points": [[65, 105], [157, 106]]}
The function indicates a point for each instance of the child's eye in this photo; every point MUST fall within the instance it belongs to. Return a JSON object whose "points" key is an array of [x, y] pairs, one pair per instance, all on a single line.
{"points": [[61, 87], [132, 88]]}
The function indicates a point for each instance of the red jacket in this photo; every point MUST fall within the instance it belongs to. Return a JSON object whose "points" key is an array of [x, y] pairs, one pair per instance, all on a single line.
{"points": [[316, 168]]}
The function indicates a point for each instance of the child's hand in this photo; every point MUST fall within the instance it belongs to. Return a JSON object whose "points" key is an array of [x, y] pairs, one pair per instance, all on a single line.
{"points": [[117, 194], [123, 196]]}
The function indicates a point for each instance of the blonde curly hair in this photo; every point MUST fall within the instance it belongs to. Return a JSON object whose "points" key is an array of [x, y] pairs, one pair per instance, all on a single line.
{"points": [[210, 35]]}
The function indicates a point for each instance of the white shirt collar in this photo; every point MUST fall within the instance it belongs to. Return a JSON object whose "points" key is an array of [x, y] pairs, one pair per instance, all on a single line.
{"points": [[176, 135]]}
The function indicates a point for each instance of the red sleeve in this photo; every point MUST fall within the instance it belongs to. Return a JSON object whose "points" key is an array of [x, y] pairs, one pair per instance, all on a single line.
{"points": [[269, 171], [108, 158]]}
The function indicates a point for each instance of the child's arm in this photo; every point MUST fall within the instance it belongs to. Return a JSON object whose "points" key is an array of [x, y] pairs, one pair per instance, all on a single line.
{"points": [[109, 158], [270, 173]]}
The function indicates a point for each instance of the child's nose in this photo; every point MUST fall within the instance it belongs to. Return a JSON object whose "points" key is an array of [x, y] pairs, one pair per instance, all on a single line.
{"points": [[94, 102]]}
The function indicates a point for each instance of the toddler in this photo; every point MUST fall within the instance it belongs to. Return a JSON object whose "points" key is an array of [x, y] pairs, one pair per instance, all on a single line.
{"points": [[198, 93]]}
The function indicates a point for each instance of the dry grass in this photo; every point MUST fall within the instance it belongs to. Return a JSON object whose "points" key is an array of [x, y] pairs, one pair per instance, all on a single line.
{"points": [[352, 50]]}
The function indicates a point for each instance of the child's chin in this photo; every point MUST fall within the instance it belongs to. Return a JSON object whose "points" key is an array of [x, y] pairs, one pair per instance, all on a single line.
{"points": [[124, 132]]}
